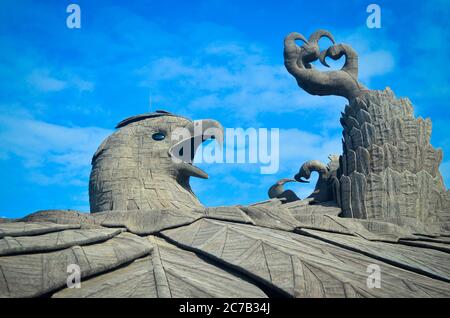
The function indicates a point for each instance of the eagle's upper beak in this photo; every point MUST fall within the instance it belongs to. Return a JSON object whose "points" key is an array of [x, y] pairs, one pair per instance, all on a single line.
{"points": [[190, 138]]}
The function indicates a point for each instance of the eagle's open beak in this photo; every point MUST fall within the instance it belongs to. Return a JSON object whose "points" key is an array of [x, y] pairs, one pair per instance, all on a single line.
{"points": [[183, 152]]}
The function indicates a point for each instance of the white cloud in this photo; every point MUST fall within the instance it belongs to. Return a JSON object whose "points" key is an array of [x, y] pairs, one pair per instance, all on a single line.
{"points": [[39, 143], [297, 146], [376, 55], [82, 85], [238, 76], [241, 83], [44, 82], [375, 64]]}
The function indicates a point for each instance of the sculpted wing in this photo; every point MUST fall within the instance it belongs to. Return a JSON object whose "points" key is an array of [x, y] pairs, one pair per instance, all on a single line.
{"points": [[267, 249]]}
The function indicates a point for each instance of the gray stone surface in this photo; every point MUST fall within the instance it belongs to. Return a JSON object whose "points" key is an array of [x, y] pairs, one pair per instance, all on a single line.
{"points": [[308, 207], [302, 266], [430, 262], [133, 171], [54, 241], [61, 217], [382, 202], [25, 228], [135, 280], [228, 213], [145, 222], [36, 274], [278, 218], [169, 272], [396, 178], [5, 220]]}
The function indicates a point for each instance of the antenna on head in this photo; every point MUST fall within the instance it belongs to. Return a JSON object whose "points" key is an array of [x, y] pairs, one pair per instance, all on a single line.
{"points": [[149, 100]]}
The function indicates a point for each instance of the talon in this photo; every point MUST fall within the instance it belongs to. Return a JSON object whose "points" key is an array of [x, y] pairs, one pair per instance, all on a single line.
{"points": [[316, 36], [322, 58], [297, 60]]}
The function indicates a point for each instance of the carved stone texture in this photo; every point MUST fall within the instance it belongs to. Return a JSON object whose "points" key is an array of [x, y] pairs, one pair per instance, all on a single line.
{"points": [[393, 174], [36, 274], [228, 213], [61, 217], [279, 218], [141, 222], [24, 228], [54, 241], [146, 164], [144, 222], [305, 208], [303, 266], [401, 255], [169, 272], [135, 280], [274, 249]]}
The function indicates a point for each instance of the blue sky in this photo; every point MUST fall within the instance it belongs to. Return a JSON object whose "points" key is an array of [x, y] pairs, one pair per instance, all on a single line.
{"points": [[63, 90]]}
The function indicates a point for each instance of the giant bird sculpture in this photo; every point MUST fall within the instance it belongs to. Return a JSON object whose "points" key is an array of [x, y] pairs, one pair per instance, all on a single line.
{"points": [[381, 205]]}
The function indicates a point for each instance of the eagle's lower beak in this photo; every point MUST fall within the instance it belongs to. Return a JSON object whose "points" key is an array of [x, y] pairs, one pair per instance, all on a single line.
{"points": [[191, 137]]}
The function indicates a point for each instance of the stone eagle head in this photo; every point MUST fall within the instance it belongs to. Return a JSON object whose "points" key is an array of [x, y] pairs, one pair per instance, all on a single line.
{"points": [[146, 164]]}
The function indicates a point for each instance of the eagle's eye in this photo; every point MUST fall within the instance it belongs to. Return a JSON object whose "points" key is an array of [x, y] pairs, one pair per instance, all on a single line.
{"points": [[158, 136]]}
